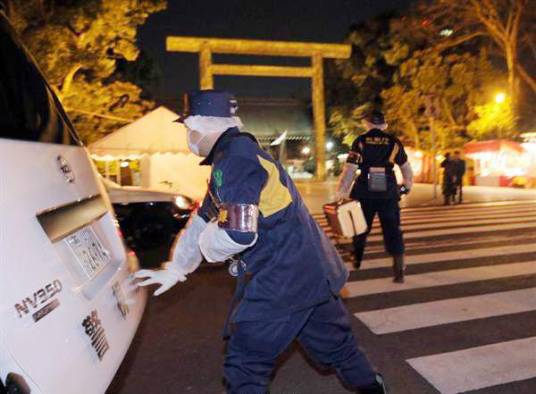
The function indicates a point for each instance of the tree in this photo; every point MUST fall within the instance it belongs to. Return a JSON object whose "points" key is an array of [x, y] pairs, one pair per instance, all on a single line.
{"points": [[458, 82], [354, 85], [494, 120], [87, 49], [509, 24]]}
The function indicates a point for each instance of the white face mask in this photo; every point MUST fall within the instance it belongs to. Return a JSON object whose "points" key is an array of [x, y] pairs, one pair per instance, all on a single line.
{"points": [[204, 131], [201, 143]]}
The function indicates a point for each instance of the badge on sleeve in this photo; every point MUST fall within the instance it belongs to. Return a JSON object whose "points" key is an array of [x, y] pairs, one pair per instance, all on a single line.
{"points": [[218, 177]]}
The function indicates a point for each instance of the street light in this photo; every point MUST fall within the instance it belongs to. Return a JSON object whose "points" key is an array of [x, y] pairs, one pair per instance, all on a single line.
{"points": [[329, 146], [500, 97], [306, 150]]}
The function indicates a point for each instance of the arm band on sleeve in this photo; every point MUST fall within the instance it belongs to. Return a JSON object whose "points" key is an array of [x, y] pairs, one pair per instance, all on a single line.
{"points": [[353, 157], [407, 174], [239, 217], [346, 179], [186, 253]]}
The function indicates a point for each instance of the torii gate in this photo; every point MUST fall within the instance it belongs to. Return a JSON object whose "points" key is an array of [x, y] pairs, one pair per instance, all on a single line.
{"points": [[317, 52]]}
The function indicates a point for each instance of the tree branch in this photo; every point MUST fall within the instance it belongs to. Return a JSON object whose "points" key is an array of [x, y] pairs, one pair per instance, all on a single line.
{"points": [[68, 80], [513, 33], [460, 40], [448, 112], [98, 115], [528, 39], [527, 77], [494, 27]]}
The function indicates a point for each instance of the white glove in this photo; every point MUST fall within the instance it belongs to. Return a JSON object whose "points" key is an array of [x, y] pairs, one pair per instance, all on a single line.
{"points": [[340, 195], [407, 174], [185, 258], [166, 277]]}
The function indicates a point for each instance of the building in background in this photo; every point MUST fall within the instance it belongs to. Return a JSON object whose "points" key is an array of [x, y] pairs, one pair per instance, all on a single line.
{"points": [[152, 153], [499, 163], [285, 128]]}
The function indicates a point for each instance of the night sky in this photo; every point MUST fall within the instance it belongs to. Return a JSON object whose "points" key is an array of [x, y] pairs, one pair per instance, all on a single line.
{"points": [[285, 20]]}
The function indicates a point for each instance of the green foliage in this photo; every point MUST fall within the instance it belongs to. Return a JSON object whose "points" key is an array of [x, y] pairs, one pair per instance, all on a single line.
{"points": [[354, 85], [506, 27], [494, 120], [456, 81], [85, 48], [396, 64]]}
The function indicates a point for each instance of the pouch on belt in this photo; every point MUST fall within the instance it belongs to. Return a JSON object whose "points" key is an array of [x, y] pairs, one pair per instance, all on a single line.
{"points": [[377, 179]]}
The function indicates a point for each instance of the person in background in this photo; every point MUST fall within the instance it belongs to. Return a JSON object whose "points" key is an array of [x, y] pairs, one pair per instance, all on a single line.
{"points": [[459, 172], [375, 153], [449, 179]]}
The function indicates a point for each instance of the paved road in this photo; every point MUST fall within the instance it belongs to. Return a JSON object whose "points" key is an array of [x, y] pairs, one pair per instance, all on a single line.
{"points": [[316, 194], [464, 321]]}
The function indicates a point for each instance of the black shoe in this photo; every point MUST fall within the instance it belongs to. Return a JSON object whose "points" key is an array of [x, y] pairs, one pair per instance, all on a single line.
{"points": [[398, 268], [357, 264], [378, 387], [399, 277]]}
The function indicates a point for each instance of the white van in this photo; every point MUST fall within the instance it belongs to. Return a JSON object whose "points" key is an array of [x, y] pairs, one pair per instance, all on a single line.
{"points": [[68, 312]]}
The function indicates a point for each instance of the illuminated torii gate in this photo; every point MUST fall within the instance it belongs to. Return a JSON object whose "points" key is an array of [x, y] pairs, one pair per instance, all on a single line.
{"points": [[317, 52]]}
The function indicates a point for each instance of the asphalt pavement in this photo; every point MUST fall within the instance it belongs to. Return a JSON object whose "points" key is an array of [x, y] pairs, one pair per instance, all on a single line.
{"points": [[464, 321], [317, 194]]}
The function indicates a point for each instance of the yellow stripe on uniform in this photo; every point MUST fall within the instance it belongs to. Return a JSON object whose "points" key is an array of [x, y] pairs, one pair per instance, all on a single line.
{"points": [[274, 196]]}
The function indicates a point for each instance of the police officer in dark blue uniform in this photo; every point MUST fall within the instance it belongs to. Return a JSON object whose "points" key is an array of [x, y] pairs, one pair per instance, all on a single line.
{"points": [[289, 274], [375, 153]]}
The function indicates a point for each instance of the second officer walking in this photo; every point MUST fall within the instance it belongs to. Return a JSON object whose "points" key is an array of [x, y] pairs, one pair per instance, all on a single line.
{"points": [[375, 153]]}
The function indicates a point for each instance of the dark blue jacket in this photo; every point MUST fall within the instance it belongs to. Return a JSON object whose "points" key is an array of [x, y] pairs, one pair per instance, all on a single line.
{"points": [[376, 148], [293, 265]]}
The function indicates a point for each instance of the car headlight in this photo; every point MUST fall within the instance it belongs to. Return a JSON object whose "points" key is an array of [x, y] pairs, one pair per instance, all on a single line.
{"points": [[183, 203]]}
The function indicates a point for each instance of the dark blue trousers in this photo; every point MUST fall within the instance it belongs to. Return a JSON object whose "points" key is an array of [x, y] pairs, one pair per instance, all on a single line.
{"points": [[324, 331], [389, 213]]}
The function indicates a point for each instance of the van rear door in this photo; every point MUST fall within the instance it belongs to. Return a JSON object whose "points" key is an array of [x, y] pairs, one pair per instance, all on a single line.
{"points": [[63, 266]]}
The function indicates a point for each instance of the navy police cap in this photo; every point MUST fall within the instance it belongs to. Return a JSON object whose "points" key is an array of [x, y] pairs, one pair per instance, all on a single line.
{"points": [[208, 103], [375, 117]]}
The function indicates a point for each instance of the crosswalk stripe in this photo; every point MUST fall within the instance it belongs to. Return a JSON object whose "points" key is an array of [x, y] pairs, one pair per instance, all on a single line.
{"points": [[424, 243], [439, 217], [472, 205], [483, 231], [428, 314], [452, 255], [448, 218], [461, 230], [408, 228], [476, 214], [439, 278], [376, 229], [481, 214], [479, 367]]}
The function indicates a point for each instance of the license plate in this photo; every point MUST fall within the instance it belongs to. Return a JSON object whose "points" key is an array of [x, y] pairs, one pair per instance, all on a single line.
{"points": [[89, 252]]}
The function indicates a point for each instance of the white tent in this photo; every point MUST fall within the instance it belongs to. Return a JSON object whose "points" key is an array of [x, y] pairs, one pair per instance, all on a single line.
{"points": [[160, 145]]}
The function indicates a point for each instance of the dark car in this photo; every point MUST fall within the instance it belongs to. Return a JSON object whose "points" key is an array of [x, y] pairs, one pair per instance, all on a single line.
{"points": [[149, 218]]}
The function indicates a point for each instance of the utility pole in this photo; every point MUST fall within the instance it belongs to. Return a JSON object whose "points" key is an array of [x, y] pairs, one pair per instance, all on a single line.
{"points": [[432, 111]]}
